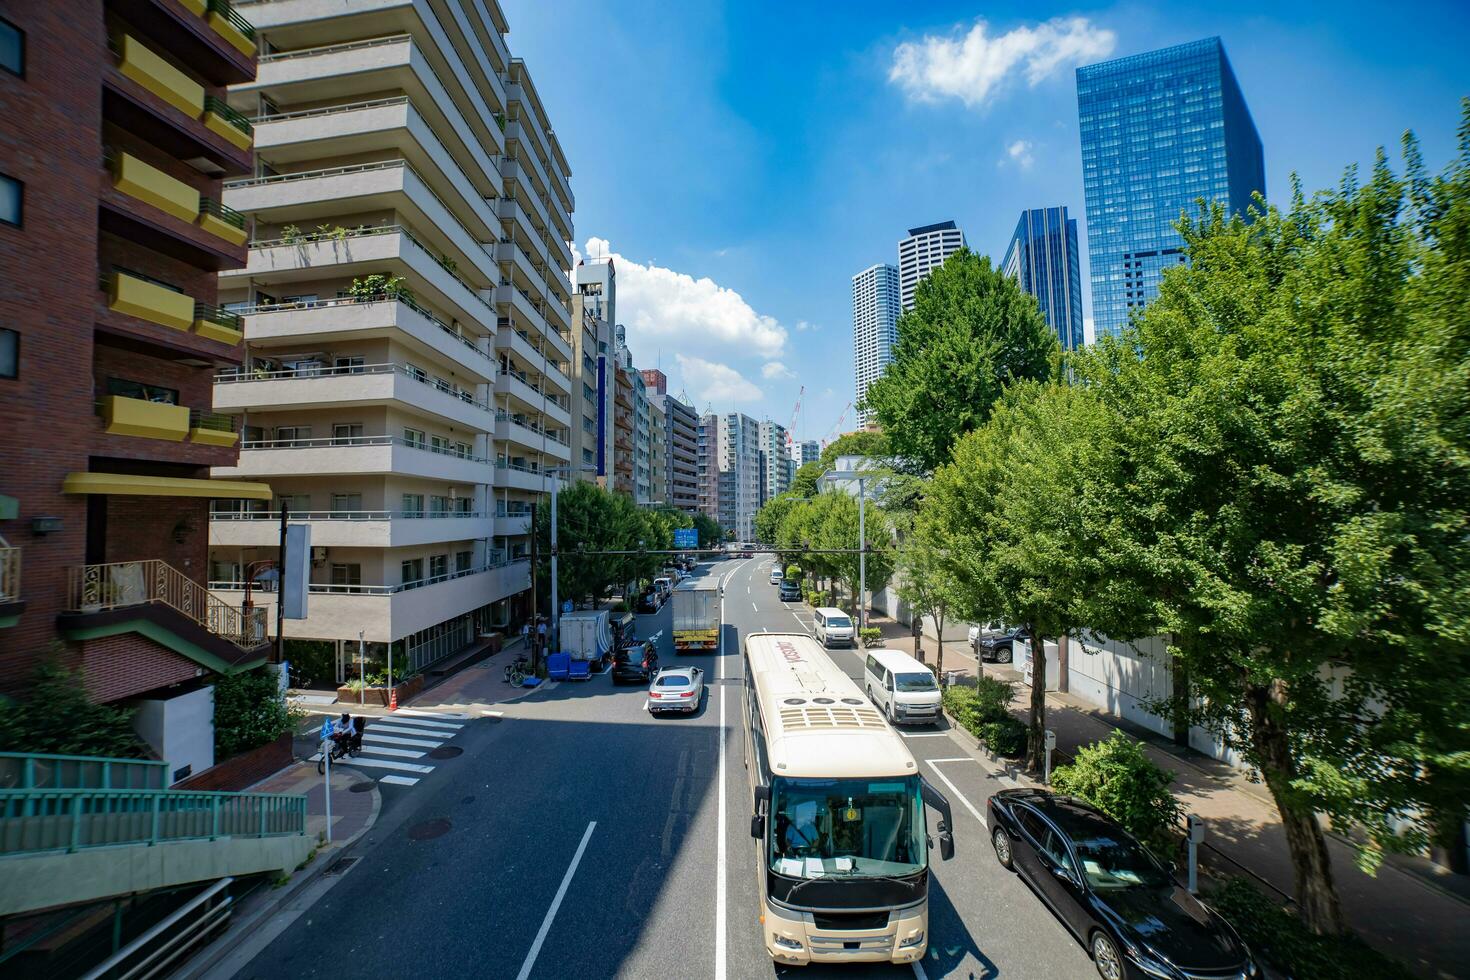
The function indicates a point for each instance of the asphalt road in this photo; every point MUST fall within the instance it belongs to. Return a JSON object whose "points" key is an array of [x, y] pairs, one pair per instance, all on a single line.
{"points": [[579, 837]]}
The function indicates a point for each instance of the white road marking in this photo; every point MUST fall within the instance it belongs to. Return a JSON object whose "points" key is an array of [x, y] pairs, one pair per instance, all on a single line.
{"points": [[416, 713], [391, 729], [958, 758], [720, 859], [924, 734], [398, 753], [919, 973], [371, 736], [955, 790], [387, 764], [426, 723], [561, 893], [399, 780], [754, 606], [492, 714], [747, 590]]}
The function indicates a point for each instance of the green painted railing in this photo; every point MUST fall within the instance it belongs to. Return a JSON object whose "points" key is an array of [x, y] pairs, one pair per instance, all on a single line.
{"points": [[33, 821], [40, 770]]}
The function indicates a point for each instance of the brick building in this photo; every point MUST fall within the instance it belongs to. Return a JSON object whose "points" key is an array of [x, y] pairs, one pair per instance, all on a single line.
{"points": [[111, 238]]}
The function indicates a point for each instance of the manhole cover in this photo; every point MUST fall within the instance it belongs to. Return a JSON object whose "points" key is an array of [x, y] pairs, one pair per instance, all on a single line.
{"points": [[445, 752], [429, 829], [362, 787], [467, 800], [341, 865]]}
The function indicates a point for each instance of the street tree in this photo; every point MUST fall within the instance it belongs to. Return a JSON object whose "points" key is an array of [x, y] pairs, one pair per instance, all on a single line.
{"points": [[971, 332], [873, 445], [921, 581], [710, 532], [1293, 489]]}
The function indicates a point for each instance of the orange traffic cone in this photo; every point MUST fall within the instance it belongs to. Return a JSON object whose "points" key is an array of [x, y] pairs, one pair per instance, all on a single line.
{"points": [[393, 699]]}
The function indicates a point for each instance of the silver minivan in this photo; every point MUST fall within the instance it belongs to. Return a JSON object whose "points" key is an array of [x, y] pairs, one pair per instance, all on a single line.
{"points": [[833, 626], [901, 687]]}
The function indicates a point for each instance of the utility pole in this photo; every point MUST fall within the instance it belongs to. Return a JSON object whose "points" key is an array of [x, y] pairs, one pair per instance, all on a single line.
{"points": [[862, 554], [553, 636], [535, 608], [281, 590]]}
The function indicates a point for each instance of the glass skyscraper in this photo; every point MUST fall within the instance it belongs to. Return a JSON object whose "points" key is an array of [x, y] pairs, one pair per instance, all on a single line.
{"points": [[1042, 258], [1159, 132]]}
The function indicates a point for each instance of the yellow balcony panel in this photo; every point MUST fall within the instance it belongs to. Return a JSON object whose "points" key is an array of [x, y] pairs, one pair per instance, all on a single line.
{"points": [[145, 67], [163, 486], [152, 186], [219, 124], [222, 229], [231, 33], [149, 301], [145, 419], [222, 332], [213, 437], [195, 7]]}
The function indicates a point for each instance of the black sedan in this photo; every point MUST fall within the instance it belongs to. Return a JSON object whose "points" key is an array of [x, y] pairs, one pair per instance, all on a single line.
{"points": [[635, 664], [1000, 649], [790, 590], [1134, 918]]}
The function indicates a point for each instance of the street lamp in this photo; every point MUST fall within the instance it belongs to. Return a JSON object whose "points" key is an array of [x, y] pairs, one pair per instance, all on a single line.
{"points": [[861, 478]]}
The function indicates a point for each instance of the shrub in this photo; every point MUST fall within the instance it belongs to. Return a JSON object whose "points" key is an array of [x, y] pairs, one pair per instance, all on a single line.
{"points": [[57, 716], [1283, 940], [993, 697], [1004, 736], [249, 711], [871, 636], [793, 571], [982, 711], [1117, 776]]}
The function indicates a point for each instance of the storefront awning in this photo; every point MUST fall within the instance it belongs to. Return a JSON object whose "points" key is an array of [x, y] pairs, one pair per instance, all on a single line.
{"points": [[163, 486]]}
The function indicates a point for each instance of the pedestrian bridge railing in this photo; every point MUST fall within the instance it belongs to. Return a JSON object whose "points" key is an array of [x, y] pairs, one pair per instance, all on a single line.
{"points": [[41, 770]]}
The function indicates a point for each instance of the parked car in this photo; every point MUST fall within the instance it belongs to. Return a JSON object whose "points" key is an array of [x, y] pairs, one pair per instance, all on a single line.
{"points": [[628, 664], [901, 687], [1109, 892], [777, 576], [676, 689], [833, 626], [977, 633], [791, 590], [1000, 647], [650, 601]]}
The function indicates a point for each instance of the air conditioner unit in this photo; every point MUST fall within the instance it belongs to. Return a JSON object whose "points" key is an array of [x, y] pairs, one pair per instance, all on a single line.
{"points": [[318, 555]]}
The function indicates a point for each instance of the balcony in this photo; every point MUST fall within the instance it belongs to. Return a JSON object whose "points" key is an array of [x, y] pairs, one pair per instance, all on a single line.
{"points": [[229, 25], [513, 476], [366, 384], [144, 419], [217, 324], [350, 528], [518, 385], [146, 183], [139, 62], [359, 318], [149, 301], [509, 428], [224, 121], [221, 221], [355, 455], [120, 587], [212, 428], [383, 613]]}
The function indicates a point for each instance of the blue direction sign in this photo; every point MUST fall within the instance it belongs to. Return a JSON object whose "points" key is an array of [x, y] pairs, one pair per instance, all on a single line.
{"points": [[686, 537]]}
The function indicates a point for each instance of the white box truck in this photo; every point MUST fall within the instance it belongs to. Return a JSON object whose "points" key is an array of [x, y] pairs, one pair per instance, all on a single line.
{"points": [[697, 615], [586, 634]]}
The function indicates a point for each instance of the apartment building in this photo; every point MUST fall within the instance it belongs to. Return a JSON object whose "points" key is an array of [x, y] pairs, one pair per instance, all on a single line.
{"points": [[115, 141], [739, 479], [775, 460], [920, 252], [408, 317], [624, 422], [707, 465], [594, 307], [681, 451], [658, 451]]}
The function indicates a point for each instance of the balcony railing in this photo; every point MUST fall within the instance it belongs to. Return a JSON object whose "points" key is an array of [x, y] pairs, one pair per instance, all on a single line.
{"points": [[501, 415], [211, 421], [228, 113], [331, 110], [390, 367], [9, 572], [224, 9], [341, 515], [357, 300], [319, 588], [375, 42], [41, 770], [117, 585], [216, 314], [208, 205], [339, 441]]}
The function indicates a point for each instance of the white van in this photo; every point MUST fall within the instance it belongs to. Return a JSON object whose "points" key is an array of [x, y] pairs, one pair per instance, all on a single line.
{"points": [[901, 687], [833, 626]]}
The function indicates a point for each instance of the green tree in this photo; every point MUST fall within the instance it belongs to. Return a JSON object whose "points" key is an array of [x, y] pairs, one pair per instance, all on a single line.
{"points": [[57, 716], [710, 532], [874, 445], [971, 332], [1293, 490], [768, 519], [591, 523], [249, 711], [922, 584], [804, 484]]}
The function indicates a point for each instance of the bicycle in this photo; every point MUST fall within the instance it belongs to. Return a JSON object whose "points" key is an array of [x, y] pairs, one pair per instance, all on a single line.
{"points": [[296, 680], [515, 673]]}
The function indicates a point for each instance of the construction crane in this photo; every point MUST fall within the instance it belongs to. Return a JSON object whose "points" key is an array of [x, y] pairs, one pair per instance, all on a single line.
{"points": [[795, 414], [838, 427]]}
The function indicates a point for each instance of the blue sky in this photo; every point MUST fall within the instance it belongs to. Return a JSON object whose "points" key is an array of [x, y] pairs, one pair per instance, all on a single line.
{"points": [[744, 159]]}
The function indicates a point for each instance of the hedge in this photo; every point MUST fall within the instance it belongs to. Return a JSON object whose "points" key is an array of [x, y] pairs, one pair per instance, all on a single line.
{"points": [[983, 711], [1117, 776]]}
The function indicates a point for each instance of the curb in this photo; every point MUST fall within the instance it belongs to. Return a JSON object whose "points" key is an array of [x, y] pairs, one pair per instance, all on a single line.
{"points": [[199, 965]]}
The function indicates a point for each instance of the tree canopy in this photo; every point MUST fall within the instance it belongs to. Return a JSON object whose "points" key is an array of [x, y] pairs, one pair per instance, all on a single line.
{"points": [[971, 332]]}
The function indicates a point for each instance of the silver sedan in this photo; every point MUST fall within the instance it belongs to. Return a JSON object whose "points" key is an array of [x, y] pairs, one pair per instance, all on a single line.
{"points": [[676, 689]]}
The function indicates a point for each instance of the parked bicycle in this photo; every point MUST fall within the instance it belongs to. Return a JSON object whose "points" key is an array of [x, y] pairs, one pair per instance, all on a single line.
{"points": [[296, 679], [515, 673]]}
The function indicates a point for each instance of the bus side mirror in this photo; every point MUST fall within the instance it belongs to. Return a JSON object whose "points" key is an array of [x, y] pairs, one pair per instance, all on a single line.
{"points": [[946, 841], [758, 826]]}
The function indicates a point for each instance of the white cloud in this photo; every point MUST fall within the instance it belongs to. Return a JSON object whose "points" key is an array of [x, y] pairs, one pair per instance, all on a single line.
{"points": [[716, 383], [775, 369], [1019, 153], [802, 326], [974, 65], [664, 308]]}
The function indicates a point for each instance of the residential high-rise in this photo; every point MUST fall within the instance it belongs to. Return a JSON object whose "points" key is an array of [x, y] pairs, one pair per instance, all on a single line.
{"points": [[624, 427], [875, 308], [658, 450], [775, 455], [806, 452], [739, 480], [1159, 131], [681, 459], [1042, 258], [656, 381], [408, 311], [707, 461], [923, 251], [115, 141], [594, 306]]}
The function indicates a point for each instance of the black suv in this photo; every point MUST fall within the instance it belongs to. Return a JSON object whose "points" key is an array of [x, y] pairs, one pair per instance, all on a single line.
{"points": [[790, 590]]}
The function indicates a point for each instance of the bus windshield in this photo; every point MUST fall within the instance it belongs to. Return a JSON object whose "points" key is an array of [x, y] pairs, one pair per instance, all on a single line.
{"points": [[846, 827]]}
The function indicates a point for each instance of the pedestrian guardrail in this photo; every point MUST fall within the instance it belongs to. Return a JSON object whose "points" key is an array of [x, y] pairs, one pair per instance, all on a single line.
{"points": [[41, 820], [42, 770]]}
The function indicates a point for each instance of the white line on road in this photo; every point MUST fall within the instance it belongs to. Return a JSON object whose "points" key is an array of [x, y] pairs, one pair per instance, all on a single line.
{"points": [[561, 893], [924, 734], [399, 780], [424, 722], [919, 973], [383, 726], [958, 758], [747, 590], [396, 753], [377, 764], [414, 712], [955, 790], [371, 736], [754, 606], [493, 714]]}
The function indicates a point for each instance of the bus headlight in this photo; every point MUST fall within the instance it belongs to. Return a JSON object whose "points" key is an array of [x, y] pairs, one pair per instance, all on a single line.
{"points": [[912, 941], [785, 943]]}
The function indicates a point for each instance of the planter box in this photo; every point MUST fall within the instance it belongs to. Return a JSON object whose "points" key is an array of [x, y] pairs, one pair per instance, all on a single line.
{"points": [[347, 697]]}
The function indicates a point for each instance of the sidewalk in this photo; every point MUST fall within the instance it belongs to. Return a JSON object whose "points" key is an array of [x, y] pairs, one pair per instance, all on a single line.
{"points": [[478, 686], [353, 810], [1401, 911]]}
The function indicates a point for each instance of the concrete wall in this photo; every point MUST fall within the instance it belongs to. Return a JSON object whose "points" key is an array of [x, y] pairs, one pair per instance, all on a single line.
{"points": [[1118, 677], [180, 729]]}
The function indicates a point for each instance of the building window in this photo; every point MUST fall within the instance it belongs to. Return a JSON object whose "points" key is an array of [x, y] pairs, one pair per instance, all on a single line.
{"points": [[438, 566], [10, 200], [12, 48], [413, 505], [414, 437], [463, 560], [347, 505], [347, 433], [347, 577], [9, 354], [413, 573]]}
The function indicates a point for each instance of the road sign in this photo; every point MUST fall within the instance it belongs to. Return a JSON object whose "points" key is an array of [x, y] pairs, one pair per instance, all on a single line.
{"points": [[566, 607], [686, 537]]}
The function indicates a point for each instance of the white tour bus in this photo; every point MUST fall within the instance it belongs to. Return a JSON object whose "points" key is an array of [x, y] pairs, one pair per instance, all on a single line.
{"points": [[842, 843]]}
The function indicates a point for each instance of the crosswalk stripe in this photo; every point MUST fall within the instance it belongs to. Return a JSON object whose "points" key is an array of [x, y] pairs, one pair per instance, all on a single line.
{"points": [[425, 722], [398, 780], [394, 740], [400, 753], [410, 712], [388, 764], [406, 730]]}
